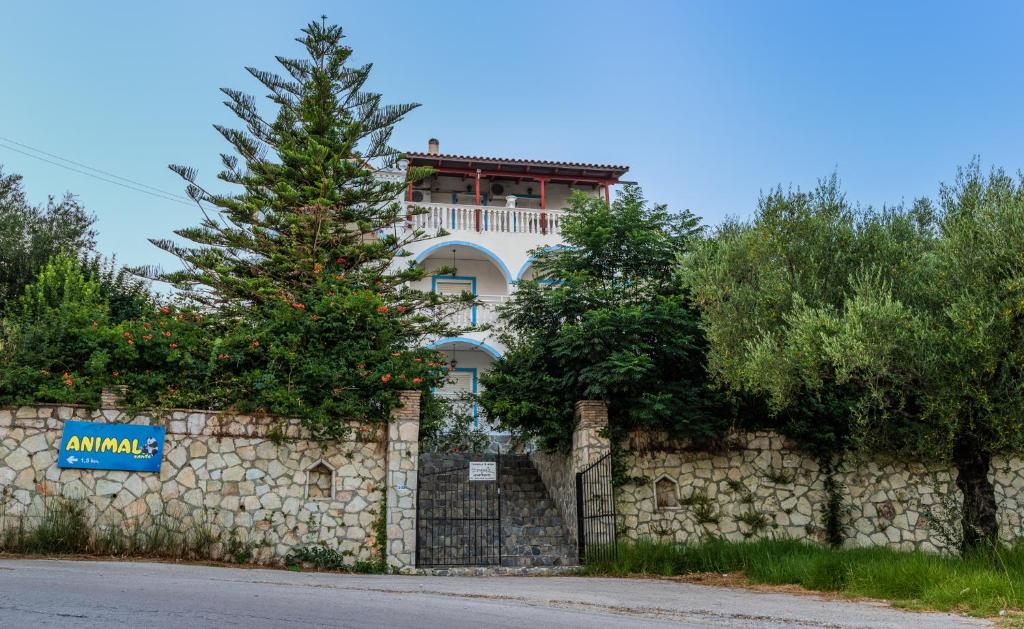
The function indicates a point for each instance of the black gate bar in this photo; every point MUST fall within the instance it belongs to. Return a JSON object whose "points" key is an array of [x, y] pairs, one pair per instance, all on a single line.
{"points": [[458, 520], [595, 512]]}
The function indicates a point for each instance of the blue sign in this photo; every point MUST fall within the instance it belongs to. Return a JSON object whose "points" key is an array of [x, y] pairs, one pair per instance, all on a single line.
{"points": [[92, 446]]}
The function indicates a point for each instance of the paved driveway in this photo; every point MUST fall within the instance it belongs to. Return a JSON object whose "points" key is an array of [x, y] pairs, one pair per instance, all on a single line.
{"points": [[85, 594]]}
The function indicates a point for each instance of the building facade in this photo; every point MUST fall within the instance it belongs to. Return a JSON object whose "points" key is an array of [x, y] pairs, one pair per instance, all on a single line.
{"points": [[495, 212]]}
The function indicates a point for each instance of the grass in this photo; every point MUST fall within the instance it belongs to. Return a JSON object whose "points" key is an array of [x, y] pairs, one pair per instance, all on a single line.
{"points": [[65, 526], [322, 558], [703, 507], [982, 585], [779, 476]]}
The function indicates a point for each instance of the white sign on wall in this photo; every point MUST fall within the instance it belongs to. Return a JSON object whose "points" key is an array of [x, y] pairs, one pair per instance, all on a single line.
{"points": [[483, 470]]}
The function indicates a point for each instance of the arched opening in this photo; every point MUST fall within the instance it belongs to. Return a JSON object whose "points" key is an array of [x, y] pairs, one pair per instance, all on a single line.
{"points": [[467, 361], [666, 493], [529, 271], [320, 482], [455, 267]]}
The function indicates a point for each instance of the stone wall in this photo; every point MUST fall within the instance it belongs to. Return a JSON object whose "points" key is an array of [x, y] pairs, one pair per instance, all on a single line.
{"points": [[402, 481], [558, 471], [233, 473], [559, 476], [762, 486]]}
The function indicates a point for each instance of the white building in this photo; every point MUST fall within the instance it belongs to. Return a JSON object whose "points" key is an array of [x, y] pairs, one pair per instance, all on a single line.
{"points": [[496, 211]]}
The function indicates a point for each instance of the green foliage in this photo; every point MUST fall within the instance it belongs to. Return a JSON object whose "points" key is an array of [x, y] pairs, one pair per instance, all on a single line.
{"points": [[56, 343], [239, 549], [755, 522], [973, 365], [896, 330], [807, 306], [701, 506], [293, 300], [380, 534], [833, 511], [802, 305], [63, 345], [316, 319], [979, 584], [608, 319], [68, 526], [696, 497], [31, 235], [779, 476], [63, 529], [330, 559], [451, 424], [127, 296]]}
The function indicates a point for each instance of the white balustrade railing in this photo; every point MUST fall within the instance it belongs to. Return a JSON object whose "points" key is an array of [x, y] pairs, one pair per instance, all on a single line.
{"points": [[484, 311], [485, 218]]}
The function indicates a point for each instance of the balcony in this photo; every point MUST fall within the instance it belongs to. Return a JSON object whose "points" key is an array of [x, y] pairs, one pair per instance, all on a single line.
{"points": [[486, 219], [484, 312]]}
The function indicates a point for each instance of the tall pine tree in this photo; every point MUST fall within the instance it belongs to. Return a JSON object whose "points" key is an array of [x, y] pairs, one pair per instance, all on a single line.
{"points": [[300, 266]]}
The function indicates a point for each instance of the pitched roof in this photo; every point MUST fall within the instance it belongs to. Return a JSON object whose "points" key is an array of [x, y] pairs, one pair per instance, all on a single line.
{"points": [[515, 166]]}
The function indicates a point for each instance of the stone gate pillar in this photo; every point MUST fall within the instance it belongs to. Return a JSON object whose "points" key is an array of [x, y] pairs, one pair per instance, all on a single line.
{"points": [[588, 444], [402, 463]]}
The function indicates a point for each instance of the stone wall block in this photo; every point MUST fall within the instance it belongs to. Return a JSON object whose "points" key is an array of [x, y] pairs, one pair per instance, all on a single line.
{"points": [[886, 498], [402, 463], [588, 442], [201, 448]]}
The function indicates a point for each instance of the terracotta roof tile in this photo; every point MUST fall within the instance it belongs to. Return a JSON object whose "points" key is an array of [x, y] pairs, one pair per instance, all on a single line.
{"points": [[515, 161]]}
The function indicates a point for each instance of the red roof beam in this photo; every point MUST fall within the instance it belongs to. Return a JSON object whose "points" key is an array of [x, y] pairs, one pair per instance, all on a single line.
{"points": [[467, 172]]}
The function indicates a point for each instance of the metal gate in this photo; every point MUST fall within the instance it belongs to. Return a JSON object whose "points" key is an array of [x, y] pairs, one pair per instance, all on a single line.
{"points": [[595, 512], [458, 520]]}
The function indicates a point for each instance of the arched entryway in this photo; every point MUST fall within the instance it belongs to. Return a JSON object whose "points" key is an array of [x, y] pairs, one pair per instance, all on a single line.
{"points": [[456, 267]]}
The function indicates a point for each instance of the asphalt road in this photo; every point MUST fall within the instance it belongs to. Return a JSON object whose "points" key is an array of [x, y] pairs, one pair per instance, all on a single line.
{"points": [[86, 594]]}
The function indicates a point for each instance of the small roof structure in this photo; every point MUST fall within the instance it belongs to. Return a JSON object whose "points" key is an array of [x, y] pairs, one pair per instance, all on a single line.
{"points": [[500, 167]]}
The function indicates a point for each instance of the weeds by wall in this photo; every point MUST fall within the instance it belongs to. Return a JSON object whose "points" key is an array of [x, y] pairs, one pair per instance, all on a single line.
{"points": [[68, 526], [762, 486]]}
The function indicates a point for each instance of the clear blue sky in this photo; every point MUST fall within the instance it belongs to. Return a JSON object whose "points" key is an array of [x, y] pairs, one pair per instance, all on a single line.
{"points": [[708, 102]]}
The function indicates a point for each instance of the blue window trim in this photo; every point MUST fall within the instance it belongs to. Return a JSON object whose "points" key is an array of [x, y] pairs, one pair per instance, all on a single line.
{"points": [[463, 278]]}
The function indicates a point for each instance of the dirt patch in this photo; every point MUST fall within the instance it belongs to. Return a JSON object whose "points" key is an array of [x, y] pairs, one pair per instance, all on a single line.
{"points": [[739, 580]]}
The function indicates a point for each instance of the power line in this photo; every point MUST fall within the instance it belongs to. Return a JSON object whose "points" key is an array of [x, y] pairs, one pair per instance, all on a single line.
{"points": [[132, 185], [88, 167]]}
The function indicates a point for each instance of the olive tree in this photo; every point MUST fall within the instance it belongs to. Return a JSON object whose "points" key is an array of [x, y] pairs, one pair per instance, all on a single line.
{"points": [[899, 331], [794, 302], [973, 362]]}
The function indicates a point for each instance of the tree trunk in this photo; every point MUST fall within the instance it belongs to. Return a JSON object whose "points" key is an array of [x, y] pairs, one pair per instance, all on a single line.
{"points": [[980, 527]]}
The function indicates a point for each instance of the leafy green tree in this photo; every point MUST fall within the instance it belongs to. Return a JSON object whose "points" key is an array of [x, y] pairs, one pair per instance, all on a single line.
{"points": [[302, 261], [960, 343], [30, 235], [801, 304], [57, 339], [976, 360], [770, 289], [607, 320], [448, 424], [62, 343], [126, 294]]}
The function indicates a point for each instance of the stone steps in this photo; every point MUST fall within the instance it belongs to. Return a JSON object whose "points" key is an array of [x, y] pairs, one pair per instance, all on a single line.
{"points": [[532, 528], [533, 532]]}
